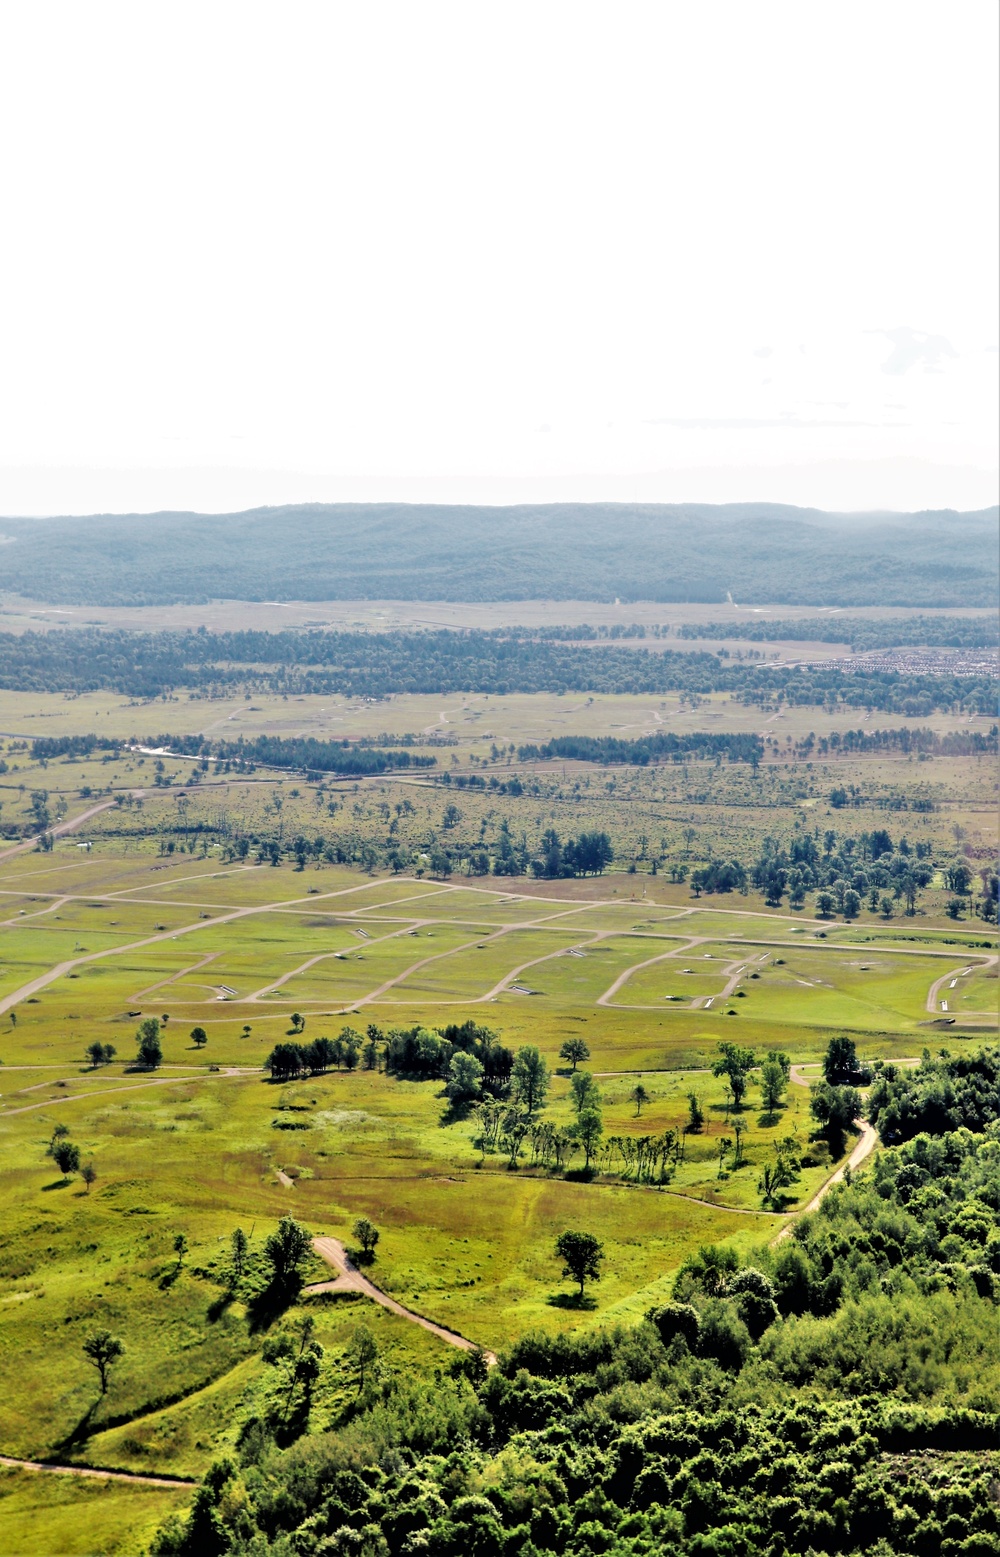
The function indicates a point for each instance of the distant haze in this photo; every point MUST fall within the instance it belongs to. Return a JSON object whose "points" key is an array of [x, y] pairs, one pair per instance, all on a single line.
{"points": [[571, 551], [498, 253]]}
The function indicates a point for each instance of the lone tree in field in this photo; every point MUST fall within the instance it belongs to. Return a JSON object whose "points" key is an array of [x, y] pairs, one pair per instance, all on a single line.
{"points": [[101, 1053], [239, 1244], [67, 1157], [581, 1255], [103, 1350], [367, 1235], [575, 1052], [59, 1133], [639, 1095], [180, 1249], [286, 1249], [696, 1114], [199, 1037], [148, 1038], [88, 1173]]}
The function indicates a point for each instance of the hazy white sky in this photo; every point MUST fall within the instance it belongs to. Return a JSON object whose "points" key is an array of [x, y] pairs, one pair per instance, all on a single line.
{"points": [[498, 251]]}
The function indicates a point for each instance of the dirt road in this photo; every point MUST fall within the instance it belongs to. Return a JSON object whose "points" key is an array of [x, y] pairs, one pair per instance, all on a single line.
{"points": [[350, 1279], [102, 1475]]}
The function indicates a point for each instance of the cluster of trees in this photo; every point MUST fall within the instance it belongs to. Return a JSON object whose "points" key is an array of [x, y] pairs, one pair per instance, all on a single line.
{"points": [[47, 748], [302, 753], [287, 1061], [947, 1093], [902, 739], [663, 746], [836, 1394], [844, 872], [146, 665], [66, 1156], [101, 1053], [469, 1058], [847, 873], [587, 855]]}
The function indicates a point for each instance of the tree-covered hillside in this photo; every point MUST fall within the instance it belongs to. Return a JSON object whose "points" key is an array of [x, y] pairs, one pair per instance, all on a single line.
{"points": [[834, 1392], [599, 551]]}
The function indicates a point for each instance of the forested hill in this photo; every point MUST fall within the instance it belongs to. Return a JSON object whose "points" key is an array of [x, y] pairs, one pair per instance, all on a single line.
{"points": [[757, 552]]}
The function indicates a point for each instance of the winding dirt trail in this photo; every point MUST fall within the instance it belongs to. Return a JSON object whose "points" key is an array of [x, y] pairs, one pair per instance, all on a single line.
{"points": [[60, 828], [350, 1279], [135, 1086], [57, 1468]]}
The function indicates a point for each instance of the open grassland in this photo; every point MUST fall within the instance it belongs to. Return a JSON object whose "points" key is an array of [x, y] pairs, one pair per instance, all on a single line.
{"points": [[465, 721], [370, 946], [138, 913], [199, 1145], [77, 1517]]}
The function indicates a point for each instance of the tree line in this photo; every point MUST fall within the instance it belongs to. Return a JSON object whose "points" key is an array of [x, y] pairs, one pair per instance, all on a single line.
{"points": [[357, 664], [861, 632]]}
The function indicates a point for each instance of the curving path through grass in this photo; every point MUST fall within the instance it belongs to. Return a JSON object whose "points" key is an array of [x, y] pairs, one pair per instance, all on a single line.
{"points": [[350, 1279], [60, 1468]]}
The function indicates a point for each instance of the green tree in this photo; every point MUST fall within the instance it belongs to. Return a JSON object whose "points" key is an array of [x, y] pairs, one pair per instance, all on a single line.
{"points": [[588, 1130], [180, 1249], [574, 1051], [88, 1173], [67, 1157], [286, 1249], [199, 1037], [772, 1085], [696, 1114], [529, 1079], [584, 1091], [639, 1096], [735, 1063], [465, 1078], [95, 1054], [367, 1235], [239, 1245], [773, 1179], [103, 1350], [841, 1063], [362, 1352], [835, 1109], [148, 1038], [581, 1254]]}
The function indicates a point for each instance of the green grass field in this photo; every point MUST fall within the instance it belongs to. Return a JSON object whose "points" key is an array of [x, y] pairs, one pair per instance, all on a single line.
{"points": [[93, 938]]}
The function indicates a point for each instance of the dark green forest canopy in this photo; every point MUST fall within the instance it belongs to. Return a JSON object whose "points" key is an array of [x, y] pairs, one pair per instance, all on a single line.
{"points": [[756, 551], [360, 664]]}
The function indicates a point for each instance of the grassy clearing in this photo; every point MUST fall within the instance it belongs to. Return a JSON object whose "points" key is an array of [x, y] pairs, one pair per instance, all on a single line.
{"points": [[41, 1514]]}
